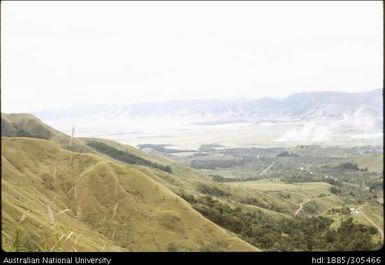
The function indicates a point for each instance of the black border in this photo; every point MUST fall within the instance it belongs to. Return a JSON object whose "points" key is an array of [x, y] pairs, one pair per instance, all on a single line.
{"points": [[216, 257]]}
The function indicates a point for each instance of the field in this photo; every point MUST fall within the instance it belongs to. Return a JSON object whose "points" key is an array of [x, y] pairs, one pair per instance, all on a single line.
{"points": [[292, 194], [373, 162], [237, 135]]}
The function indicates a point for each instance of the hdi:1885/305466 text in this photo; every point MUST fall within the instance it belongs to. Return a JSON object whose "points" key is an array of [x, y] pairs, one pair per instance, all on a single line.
{"points": [[347, 260]]}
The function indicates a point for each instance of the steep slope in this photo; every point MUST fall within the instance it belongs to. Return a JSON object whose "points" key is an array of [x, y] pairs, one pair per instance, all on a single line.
{"points": [[85, 202]]}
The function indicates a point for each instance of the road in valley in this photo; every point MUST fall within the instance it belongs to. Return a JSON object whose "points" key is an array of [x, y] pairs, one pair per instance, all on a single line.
{"points": [[264, 171]]}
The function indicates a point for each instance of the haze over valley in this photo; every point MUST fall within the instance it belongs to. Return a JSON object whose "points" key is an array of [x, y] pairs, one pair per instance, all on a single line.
{"points": [[304, 118]]}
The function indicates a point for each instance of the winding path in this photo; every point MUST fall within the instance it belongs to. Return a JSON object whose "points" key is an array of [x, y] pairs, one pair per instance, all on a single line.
{"points": [[301, 206]]}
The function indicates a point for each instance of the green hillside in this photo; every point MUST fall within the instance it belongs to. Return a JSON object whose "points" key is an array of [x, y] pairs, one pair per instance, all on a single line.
{"points": [[178, 178], [182, 171], [95, 204], [27, 125], [374, 162]]}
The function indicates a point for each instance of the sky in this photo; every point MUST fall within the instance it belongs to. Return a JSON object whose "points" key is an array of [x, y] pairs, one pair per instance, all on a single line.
{"points": [[67, 53]]}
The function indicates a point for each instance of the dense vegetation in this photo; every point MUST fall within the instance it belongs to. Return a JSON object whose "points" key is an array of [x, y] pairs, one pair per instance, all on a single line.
{"points": [[348, 166], [34, 130], [219, 178], [286, 153], [125, 157], [209, 147], [162, 148], [213, 164], [296, 234], [212, 190]]}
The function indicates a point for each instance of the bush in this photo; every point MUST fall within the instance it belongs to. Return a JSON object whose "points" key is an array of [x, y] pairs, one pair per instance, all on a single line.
{"points": [[348, 167], [212, 190], [125, 156]]}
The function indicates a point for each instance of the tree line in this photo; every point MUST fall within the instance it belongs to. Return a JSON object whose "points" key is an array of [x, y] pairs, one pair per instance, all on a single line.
{"points": [[126, 157]]}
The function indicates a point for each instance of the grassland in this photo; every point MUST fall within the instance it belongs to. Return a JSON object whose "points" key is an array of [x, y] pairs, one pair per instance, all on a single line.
{"points": [[105, 204], [372, 163], [238, 135], [27, 125], [286, 196]]}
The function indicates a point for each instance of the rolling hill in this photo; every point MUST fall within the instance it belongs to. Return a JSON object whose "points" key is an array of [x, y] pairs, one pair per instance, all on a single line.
{"points": [[373, 162], [28, 125], [83, 202]]}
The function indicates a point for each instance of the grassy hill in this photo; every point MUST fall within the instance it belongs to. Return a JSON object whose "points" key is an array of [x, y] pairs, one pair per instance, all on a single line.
{"points": [[28, 125], [178, 169], [373, 162], [285, 197], [57, 200], [180, 178]]}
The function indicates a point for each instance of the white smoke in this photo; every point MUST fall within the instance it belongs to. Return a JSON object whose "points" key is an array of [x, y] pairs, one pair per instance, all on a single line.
{"points": [[361, 120], [309, 132]]}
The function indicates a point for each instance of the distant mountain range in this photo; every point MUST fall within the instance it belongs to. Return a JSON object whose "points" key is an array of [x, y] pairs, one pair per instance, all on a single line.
{"points": [[347, 111], [303, 106]]}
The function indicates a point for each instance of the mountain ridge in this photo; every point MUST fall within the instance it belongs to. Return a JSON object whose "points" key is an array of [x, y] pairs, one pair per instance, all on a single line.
{"points": [[338, 111], [216, 105]]}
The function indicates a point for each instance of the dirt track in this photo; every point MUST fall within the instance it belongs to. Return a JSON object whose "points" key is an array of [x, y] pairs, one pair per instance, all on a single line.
{"points": [[301, 206]]}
